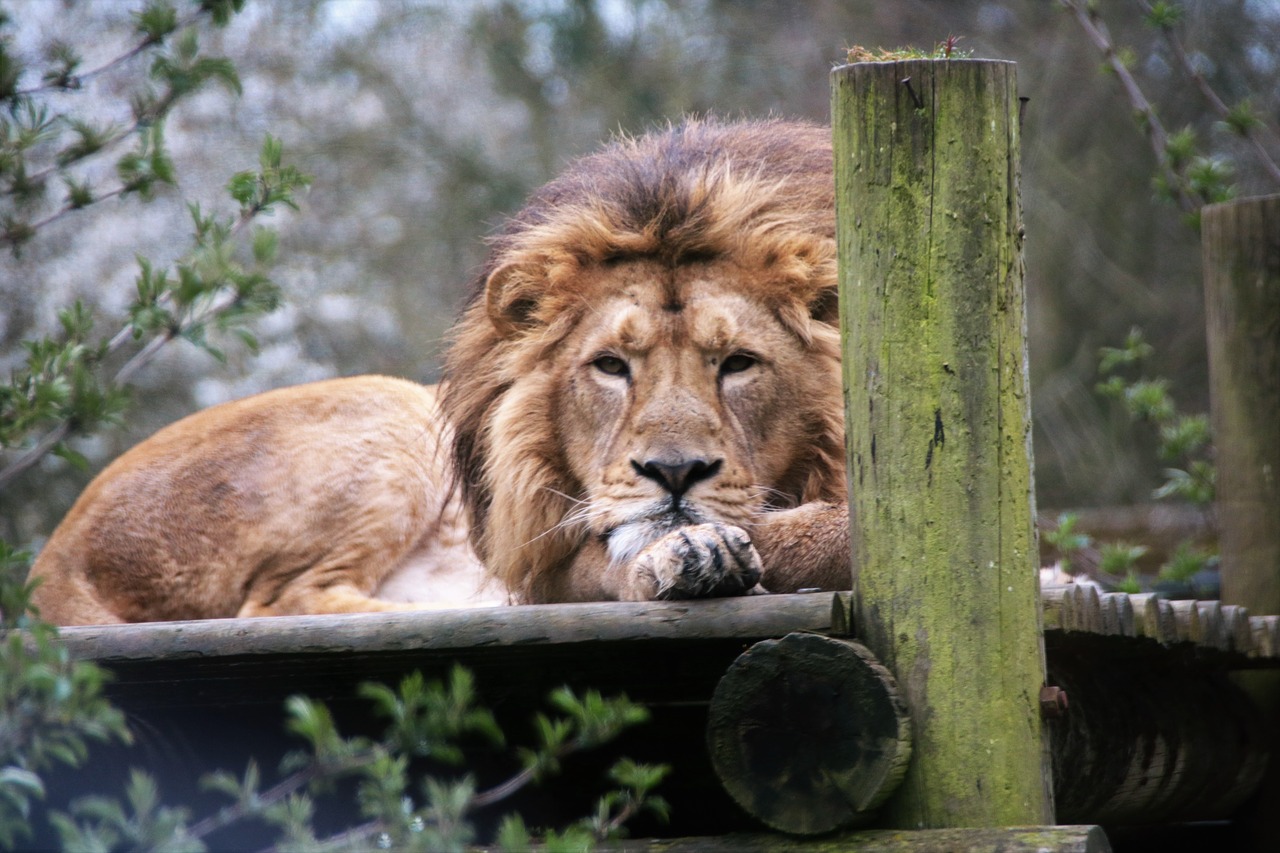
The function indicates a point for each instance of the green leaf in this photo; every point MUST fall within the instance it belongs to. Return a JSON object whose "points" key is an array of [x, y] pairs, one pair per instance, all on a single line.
{"points": [[513, 836], [1186, 562], [1120, 559], [1181, 147], [1164, 15], [157, 20], [222, 11], [74, 459], [1241, 118]]}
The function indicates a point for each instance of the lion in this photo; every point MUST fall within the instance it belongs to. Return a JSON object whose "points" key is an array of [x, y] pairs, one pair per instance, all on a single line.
{"points": [[642, 400], [646, 391]]}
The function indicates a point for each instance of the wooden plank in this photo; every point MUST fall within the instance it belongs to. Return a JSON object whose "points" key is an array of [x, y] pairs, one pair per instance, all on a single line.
{"points": [[750, 617], [1067, 608], [1024, 839]]}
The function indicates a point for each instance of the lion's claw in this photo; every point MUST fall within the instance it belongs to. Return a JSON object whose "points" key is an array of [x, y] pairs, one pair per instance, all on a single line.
{"points": [[701, 561]]}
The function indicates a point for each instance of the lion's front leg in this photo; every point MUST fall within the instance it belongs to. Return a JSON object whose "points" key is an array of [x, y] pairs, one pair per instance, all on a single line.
{"points": [[698, 561], [806, 547]]}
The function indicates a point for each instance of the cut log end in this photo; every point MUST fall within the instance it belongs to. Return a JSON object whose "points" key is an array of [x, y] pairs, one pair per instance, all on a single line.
{"points": [[808, 733]]}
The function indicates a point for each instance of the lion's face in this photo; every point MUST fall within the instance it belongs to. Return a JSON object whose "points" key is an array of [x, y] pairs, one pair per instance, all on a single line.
{"points": [[681, 401], [653, 346]]}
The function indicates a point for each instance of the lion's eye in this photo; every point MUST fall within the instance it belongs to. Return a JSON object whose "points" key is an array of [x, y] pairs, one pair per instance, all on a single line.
{"points": [[737, 363], [612, 365]]}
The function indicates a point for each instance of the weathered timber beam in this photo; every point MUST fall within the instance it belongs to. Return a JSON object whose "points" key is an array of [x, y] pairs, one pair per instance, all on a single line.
{"points": [[1024, 839], [1072, 608], [749, 618], [1240, 241], [1241, 247]]}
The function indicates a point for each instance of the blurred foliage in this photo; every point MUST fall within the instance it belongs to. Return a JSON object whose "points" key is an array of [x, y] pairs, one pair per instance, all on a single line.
{"points": [[52, 708], [1179, 439], [1067, 541], [73, 381]]}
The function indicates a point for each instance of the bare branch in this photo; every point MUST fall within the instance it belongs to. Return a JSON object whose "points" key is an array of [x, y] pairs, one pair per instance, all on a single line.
{"points": [[77, 81], [1216, 103], [1093, 26]]}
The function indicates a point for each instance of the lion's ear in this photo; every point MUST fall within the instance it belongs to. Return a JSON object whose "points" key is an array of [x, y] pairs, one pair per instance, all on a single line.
{"points": [[511, 297], [825, 307]]}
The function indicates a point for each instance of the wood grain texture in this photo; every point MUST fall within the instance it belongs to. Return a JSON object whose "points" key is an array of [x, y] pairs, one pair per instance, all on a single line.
{"points": [[1241, 246], [808, 733], [933, 311]]}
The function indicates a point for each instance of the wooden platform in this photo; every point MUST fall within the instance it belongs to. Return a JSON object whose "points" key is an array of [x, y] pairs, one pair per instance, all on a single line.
{"points": [[208, 695]]}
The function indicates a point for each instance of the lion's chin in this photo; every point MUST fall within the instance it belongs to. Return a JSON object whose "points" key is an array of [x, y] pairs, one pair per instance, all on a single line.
{"points": [[632, 536]]}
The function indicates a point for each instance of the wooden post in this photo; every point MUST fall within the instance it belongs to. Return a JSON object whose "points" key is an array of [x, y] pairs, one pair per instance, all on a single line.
{"points": [[939, 431], [1241, 244], [1240, 241]]}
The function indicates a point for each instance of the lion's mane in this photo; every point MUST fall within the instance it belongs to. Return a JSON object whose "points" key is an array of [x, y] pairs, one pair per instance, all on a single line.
{"points": [[760, 193]]}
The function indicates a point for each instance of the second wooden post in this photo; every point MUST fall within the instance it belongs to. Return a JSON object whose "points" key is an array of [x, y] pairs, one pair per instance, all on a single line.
{"points": [[941, 502]]}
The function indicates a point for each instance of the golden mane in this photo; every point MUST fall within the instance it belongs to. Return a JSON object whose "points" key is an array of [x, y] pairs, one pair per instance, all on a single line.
{"points": [[758, 193]]}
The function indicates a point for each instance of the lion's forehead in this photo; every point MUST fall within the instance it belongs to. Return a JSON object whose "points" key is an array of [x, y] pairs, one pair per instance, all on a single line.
{"points": [[698, 307]]}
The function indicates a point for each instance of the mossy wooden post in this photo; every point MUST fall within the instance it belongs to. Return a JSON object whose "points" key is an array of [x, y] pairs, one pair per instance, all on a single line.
{"points": [[1241, 245], [933, 311]]}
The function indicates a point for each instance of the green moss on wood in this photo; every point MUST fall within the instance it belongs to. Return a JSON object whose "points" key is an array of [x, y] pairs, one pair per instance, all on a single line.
{"points": [[939, 427]]}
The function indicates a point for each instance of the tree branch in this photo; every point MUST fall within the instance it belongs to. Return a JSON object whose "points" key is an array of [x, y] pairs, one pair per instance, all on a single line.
{"points": [[1216, 103], [76, 81], [1093, 26]]}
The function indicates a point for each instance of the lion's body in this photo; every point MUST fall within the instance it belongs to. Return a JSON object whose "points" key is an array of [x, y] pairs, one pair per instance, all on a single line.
{"points": [[643, 399], [306, 499]]}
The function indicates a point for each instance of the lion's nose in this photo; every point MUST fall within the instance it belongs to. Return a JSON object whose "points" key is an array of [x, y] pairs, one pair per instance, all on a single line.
{"points": [[676, 476]]}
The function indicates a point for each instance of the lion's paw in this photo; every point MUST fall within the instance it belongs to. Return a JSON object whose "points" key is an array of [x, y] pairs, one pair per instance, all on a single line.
{"points": [[699, 561]]}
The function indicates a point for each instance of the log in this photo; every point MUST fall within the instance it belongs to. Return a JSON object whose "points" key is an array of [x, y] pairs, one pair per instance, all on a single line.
{"points": [[808, 733], [929, 233], [1186, 618], [1266, 636], [750, 617], [1146, 744], [1024, 839]]}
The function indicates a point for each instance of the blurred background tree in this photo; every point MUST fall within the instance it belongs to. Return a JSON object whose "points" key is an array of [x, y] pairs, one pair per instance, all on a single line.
{"points": [[423, 122]]}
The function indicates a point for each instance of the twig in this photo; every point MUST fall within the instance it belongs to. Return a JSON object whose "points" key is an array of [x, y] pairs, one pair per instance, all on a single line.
{"points": [[76, 81], [342, 839], [1211, 97], [63, 211], [1096, 30], [274, 794]]}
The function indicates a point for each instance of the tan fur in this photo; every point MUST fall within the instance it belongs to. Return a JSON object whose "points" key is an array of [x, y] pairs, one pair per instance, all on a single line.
{"points": [[302, 500], [670, 253]]}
